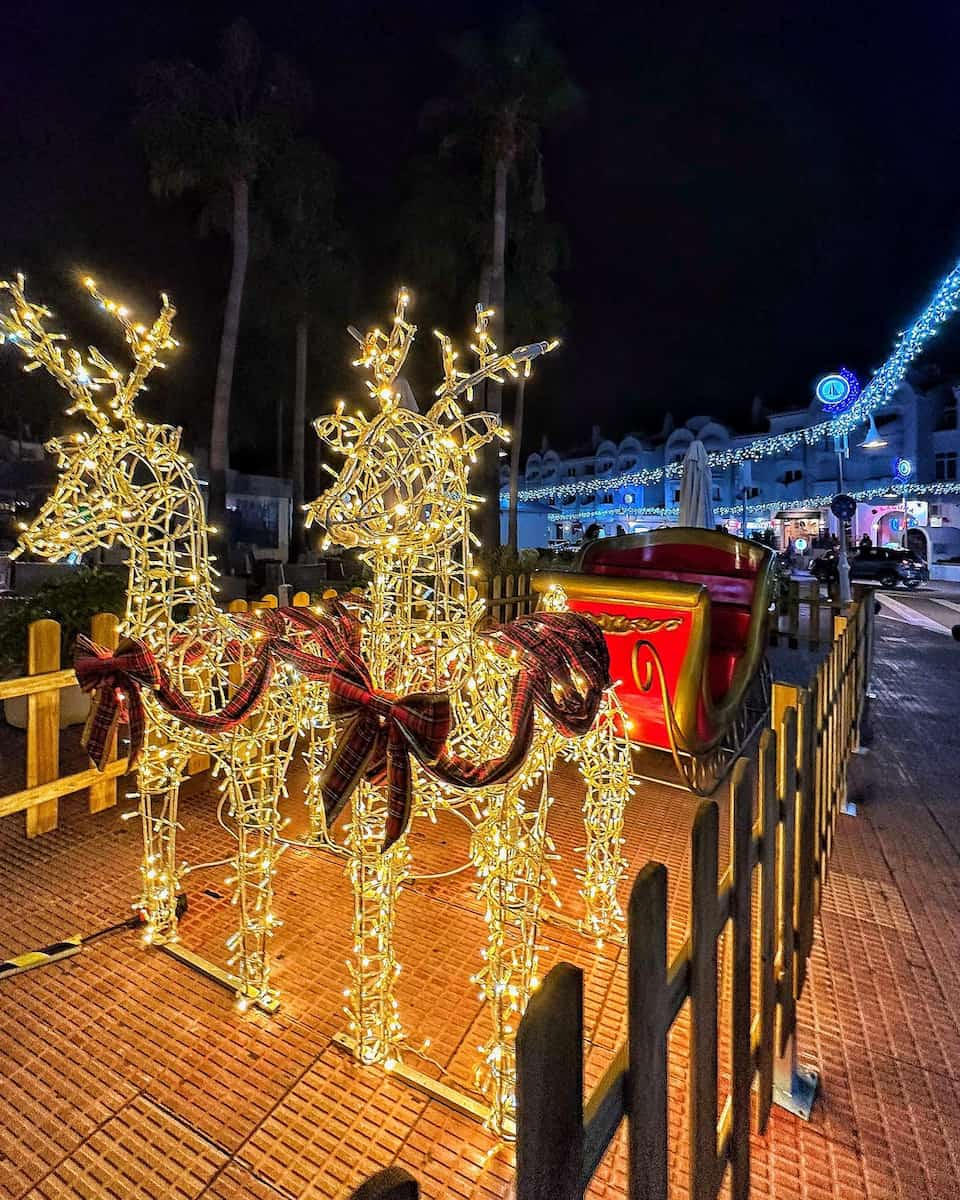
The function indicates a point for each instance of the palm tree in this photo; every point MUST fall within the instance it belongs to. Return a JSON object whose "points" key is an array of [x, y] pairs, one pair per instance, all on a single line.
{"points": [[217, 132], [508, 90], [306, 265]]}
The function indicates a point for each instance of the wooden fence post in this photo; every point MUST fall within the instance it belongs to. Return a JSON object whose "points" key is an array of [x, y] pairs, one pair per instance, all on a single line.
{"points": [[103, 793], [768, 806], [645, 1098], [794, 1087], [704, 920], [807, 883], [550, 1089], [43, 724], [793, 615], [741, 1041], [786, 907], [814, 614]]}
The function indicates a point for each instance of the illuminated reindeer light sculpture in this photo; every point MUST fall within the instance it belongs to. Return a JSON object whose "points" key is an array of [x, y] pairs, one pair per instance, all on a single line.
{"points": [[125, 480], [403, 496]]}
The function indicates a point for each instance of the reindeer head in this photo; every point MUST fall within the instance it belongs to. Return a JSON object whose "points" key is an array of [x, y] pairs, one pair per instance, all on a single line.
{"points": [[111, 475], [404, 488]]}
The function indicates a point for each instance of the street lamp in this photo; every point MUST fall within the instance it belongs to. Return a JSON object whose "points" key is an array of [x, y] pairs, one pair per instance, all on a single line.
{"points": [[873, 440]]}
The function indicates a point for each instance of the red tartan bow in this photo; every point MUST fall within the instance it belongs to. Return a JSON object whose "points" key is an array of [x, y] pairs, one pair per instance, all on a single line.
{"points": [[114, 681], [377, 743]]}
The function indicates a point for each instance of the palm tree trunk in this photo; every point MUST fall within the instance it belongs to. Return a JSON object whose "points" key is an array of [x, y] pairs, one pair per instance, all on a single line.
{"points": [[220, 425], [494, 397], [299, 420], [515, 466], [279, 440]]}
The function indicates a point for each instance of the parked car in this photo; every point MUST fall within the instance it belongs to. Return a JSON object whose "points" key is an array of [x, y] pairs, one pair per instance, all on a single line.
{"points": [[886, 567]]}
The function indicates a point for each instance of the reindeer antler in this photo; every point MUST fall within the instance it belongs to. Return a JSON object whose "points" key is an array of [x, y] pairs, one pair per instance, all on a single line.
{"points": [[384, 355], [491, 364], [23, 325]]}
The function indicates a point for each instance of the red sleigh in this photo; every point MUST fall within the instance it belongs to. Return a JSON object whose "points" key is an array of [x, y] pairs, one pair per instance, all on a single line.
{"points": [[685, 613]]}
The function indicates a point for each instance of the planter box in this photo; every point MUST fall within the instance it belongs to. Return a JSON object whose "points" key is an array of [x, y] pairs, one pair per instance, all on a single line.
{"points": [[74, 706]]}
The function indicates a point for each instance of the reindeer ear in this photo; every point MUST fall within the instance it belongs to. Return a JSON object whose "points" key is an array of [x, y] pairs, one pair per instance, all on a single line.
{"points": [[476, 429], [335, 429]]}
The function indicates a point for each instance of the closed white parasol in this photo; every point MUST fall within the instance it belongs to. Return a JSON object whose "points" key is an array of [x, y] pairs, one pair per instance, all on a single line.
{"points": [[696, 488]]}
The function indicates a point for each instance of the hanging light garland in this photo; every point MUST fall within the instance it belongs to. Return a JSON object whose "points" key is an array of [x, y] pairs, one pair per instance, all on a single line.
{"points": [[948, 487], [910, 343]]}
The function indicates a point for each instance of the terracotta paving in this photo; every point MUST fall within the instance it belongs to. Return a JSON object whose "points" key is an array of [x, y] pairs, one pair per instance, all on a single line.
{"points": [[127, 1075]]}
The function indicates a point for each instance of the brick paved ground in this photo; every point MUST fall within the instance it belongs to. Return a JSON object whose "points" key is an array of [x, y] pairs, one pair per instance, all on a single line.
{"points": [[125, 1075]]}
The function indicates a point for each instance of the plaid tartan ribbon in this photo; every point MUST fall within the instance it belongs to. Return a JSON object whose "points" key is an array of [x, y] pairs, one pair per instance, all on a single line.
{"points": [[377, 743], [564, 671], [114, 681]]}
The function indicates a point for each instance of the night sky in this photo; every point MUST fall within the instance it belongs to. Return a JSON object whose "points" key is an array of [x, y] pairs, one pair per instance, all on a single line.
{"points": [[749, 198]]}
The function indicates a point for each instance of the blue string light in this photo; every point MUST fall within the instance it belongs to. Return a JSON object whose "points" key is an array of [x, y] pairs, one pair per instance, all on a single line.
{"points": [[910, 343]]}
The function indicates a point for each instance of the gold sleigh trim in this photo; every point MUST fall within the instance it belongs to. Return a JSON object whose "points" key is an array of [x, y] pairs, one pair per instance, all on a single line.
{"points": [[620, 624]]}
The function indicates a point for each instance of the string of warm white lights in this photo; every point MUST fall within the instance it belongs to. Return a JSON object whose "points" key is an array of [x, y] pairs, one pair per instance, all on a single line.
{"points": [[910, 343], [403, 497], [126, 480]]}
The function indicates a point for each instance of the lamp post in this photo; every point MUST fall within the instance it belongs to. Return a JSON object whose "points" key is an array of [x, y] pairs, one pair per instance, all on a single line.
{"points": [[902, 470], [843, 562], [838, 392]]}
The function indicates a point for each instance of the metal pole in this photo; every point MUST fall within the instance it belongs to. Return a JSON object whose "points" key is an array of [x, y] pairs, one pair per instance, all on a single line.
{"points": [[513, 514], [843, 563]]}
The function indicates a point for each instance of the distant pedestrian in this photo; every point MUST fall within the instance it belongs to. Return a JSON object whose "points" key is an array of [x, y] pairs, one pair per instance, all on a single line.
{"points": [[866, 543]]}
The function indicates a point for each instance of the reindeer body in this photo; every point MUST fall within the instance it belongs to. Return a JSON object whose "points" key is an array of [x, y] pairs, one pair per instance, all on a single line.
{"points": [[126, 480], [404, 496]]}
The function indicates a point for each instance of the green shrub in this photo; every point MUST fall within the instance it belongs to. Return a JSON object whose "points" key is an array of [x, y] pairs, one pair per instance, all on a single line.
{"points": [[71, 601]]}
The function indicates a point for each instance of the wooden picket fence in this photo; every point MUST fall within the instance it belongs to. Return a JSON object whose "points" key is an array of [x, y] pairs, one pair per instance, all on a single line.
{"points": [[508, 596], [802, 616], [42, 685], [784, 805]]}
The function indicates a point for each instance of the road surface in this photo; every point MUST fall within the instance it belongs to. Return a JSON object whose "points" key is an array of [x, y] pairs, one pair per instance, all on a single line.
{"points": [[934, 607]]}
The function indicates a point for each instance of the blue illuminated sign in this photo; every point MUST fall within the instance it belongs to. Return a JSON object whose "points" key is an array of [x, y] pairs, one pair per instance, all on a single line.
{"points": [[902, 468], [838, 391]]}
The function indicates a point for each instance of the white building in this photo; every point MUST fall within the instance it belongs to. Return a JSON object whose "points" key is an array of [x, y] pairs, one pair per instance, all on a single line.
{"points": [[562, 495]]}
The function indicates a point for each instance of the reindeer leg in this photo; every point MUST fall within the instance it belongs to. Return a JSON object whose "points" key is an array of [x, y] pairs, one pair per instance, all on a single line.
{"points": [[160, 773], [603, 758], [511, 849], [376, 878], [315, 757], [255, 782]]}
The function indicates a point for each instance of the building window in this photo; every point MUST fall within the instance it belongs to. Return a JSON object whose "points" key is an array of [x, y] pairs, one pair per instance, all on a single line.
{"points": [[716, 493], [946, 465], [948, 414], [792, 476], [571, 470], [676, 495], [607, 498]]}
